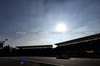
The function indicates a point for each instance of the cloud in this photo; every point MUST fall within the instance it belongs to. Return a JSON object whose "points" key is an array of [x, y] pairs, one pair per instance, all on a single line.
{"points": [[33, 40]]}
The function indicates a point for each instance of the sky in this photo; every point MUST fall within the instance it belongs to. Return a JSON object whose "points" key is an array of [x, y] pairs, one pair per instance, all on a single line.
{"points": [[34, 22]]}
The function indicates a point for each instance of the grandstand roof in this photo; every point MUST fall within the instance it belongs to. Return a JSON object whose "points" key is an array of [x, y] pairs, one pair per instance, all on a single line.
{"points": [[87, 38], [38, 46]]}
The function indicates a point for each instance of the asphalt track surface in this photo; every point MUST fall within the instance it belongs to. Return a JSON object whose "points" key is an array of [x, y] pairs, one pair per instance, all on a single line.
{"points": [[63, 62], [14, 62]]}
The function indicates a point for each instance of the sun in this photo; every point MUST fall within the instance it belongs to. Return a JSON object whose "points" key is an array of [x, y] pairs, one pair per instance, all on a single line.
{"points": [[61, 27]]}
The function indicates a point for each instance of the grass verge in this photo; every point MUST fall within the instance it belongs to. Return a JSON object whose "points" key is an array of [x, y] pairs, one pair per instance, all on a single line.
{"points": [[4, 59]]}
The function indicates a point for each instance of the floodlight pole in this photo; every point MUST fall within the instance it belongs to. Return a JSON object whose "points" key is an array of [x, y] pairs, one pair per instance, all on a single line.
{"points": [[4, 42]]}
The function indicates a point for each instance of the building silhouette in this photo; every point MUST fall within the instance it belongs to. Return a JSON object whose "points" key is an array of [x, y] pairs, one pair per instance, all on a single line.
{"points": [[34, 47], [88, 46]]}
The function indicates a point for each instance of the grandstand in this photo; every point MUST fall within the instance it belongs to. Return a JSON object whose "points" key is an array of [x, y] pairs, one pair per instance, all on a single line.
{"points": [[88, 46], [79, 40], [39, 50], [34, 47]]}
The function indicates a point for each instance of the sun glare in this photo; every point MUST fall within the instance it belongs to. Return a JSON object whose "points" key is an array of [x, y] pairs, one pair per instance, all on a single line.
{"points": [[61, 28]]}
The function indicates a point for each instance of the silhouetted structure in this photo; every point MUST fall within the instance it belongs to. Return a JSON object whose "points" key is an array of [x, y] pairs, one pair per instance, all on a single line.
{"points": [[2, 43], [39, 50], [34, 47], [82, 47], [88, 46]]}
